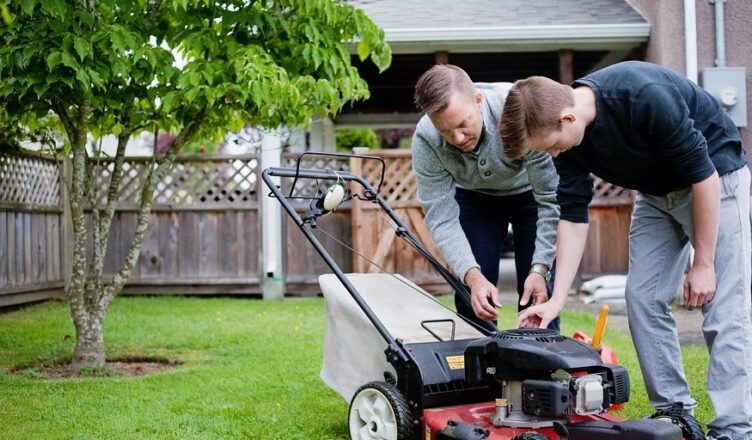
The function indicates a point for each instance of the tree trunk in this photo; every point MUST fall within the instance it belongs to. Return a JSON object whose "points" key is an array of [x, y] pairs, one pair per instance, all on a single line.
{"points": [[89, 295], [89, 349]]}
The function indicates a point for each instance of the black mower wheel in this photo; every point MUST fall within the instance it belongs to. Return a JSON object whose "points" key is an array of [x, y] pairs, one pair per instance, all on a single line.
{"points": [[378, 411]]}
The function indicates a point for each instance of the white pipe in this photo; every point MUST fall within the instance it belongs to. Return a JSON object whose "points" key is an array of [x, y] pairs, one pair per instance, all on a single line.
{"points": [[690, 55], [690, 39], [273, 277], [720, 34]]}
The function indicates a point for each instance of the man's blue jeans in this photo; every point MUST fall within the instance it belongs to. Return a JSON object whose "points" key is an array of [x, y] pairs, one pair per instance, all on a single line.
{"points": [[485, 219]]}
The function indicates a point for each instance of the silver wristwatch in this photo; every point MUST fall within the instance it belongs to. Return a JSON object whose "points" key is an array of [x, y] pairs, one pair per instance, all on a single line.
{"points": [[545, 273]]}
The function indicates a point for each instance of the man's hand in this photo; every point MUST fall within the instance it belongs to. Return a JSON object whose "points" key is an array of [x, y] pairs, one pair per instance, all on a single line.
{"points": [[539, 315], [699, 286], [481, 290], [535, 288]]}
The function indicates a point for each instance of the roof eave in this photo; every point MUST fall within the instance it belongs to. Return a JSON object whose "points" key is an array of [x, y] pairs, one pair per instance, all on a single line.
{"points": [[518, 38]]}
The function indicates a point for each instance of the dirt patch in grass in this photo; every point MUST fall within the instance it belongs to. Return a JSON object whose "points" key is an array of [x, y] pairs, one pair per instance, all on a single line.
{"points": [[118, 367]]}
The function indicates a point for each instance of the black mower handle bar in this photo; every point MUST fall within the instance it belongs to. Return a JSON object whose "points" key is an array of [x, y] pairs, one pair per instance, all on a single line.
{"points": [[340, 155], [305, 228]]}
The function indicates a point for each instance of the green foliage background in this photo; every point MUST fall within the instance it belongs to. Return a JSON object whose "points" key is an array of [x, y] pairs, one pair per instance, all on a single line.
{"points": [[145, 64], [348, 139]]}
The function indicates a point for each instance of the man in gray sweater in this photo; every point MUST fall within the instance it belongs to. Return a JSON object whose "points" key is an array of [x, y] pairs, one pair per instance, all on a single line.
{"points": [[471, 192]]}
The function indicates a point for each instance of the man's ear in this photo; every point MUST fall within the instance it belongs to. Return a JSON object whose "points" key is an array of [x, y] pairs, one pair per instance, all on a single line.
{"points": [[478, 98], [567, 117]]}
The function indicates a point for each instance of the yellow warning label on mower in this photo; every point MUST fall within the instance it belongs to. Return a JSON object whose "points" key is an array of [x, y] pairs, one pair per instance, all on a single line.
{"points": [[456, 362]]}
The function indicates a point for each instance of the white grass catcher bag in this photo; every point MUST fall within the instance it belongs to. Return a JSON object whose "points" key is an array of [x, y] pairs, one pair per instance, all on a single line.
{"points": [[354, 349]]}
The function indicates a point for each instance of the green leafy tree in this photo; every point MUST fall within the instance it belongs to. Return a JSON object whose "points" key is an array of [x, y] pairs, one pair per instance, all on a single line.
{"points": [[10, 133], [356, 137], [196, 68]]}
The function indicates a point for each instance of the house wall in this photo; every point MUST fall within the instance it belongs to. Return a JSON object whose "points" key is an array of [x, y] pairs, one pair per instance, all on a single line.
{"points": [[666, 46], [666, 18]]}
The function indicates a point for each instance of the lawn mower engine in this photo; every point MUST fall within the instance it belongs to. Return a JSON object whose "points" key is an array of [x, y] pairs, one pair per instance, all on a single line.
{"points": [[544, 377], [551, 387]]}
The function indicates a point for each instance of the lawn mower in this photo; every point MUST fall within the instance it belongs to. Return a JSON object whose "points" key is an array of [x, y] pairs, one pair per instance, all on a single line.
{"points": [[411, 368]]}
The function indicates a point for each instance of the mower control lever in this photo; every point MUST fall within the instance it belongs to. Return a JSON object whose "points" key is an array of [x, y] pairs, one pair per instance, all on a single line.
{"points": [[434, 321]]}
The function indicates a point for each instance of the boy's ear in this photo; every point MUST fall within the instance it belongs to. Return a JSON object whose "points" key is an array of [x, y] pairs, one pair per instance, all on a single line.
{"points": [[568, 117]]}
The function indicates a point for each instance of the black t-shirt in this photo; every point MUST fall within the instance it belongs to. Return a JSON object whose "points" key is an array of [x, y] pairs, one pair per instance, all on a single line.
{"points": [[655, 131]]}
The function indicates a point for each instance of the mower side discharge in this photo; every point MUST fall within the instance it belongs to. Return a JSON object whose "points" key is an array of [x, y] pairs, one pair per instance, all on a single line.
{"points": [[441, 367]]}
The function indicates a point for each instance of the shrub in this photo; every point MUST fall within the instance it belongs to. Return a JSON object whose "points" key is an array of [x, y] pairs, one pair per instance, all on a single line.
{"points": [[357, 137]]}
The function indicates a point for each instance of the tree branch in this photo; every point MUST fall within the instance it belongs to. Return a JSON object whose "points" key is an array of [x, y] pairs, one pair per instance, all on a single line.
{"points": [[153, 9], [62, 113], [112, 191], [147, 193]]}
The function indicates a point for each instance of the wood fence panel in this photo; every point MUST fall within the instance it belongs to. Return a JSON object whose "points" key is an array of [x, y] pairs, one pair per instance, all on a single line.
{"points": [[149, 262], [374, 235], [607, 246], [303, 264], [21, 240], [228, 237], [53, 230], [203, 229], [12, 254], [188, 253], [38, 248], [125, 225], [31, 212], [28, 241], [4, 280], [250, 233], [205, 233], [167, 244]]}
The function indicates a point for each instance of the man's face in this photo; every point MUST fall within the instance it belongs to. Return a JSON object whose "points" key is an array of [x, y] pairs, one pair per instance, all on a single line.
{"points": [[559, 141], [461, 122]]}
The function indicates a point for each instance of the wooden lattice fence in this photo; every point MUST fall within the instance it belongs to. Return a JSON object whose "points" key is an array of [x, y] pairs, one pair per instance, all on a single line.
{"points": [[204, 234], [302, 264], [205, 231], [361, 226], [606, 250], [32, 228], [373, 233]]}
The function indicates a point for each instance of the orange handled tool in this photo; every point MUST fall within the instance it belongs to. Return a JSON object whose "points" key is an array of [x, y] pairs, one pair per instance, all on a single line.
{"points": [[600, 328]]}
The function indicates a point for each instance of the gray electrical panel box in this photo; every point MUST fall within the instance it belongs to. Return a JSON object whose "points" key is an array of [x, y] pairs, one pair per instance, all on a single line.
{"points": [[728, 85]]}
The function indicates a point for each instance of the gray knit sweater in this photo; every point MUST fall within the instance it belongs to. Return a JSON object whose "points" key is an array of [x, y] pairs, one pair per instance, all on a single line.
{"points": [[440, 167]]}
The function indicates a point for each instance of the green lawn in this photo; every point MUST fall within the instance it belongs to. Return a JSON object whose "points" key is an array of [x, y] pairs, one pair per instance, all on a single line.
{"points": [[250, 370]]}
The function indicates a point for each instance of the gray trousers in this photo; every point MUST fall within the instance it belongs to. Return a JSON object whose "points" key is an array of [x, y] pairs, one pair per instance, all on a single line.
{"points": [[661, 231]]}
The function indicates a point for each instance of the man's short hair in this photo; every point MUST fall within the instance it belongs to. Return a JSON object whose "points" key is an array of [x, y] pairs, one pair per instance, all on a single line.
{"points": [[533, 107], [435, 87]]}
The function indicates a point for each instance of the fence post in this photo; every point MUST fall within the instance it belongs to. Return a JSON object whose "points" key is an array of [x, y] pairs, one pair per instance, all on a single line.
{"points": [[356, 213], [273, 276]]}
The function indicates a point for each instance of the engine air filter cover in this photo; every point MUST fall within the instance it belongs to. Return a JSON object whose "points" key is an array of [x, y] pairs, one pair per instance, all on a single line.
{"points": [[526, 354]]}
